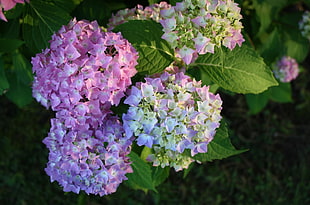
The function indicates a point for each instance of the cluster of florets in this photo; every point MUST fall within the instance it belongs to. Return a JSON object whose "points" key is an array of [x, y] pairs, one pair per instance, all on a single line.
{"points": [[171, 114], [83, 64], [84, 72], [304, 25], [91, 159], [8, 5], [151, 12], [195, 27], [286, 69]]}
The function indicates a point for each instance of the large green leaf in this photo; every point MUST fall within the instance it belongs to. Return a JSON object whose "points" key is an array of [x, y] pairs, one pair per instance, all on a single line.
{"points": [[272, 47], [281, 93], [19, 93], [94, 10], [160, 175], [220, 147], [42, 19], [295, 45], [67, 5], [241, 70], [4, 84], [10, 30], [22, 68], [9, 45], [153, 1], [267, 11], [257, 102], [155, 54], [141, 178], [204, 78]]}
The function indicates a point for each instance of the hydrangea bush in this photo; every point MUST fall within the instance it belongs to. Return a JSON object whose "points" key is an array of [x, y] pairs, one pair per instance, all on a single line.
{"points": [[136, 91]]}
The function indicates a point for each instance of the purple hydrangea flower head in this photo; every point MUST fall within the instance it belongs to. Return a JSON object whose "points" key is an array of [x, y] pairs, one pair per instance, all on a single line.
{"points": [[93, 160], [286, 69], [209, 23], [172, 113], [304, 25], [151, 12], [83, 64]]}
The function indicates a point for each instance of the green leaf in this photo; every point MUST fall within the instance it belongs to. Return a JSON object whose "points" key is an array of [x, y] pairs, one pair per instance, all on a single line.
{"points": [[257, 102], [241, 70], [173, 2], [4, 84], [272, 46], [199, 74], [94, 10], [10, 29], [153, 1], [155, 54], [67, 5], [220, 147], [296, 45], [267, 11], [160, 175], [42, 19], [281, 93], [22, 68], [146, 151], [9, 45], [141, 178], [19, 93], [186, 171]]}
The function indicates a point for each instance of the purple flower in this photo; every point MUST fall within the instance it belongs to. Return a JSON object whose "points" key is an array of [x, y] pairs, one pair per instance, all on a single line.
{"points": [[186, 54], [94, 161], [286, 69], [145, 139], [174, 113], [83, 65]]}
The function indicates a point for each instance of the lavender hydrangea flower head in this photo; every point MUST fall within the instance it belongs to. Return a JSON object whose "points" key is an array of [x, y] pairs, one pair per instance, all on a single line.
{"points": [[93, 160], [286, 69], [304, 25], [209, 23], [171, 114], [151, 12], [83, 64]]}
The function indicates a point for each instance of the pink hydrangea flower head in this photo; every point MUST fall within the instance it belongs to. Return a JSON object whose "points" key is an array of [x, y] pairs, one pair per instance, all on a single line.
{"points": [[83, 65], [151, 12], [8, 5], [172, 113], [92, 160], [286, 69], [209, 23]]}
